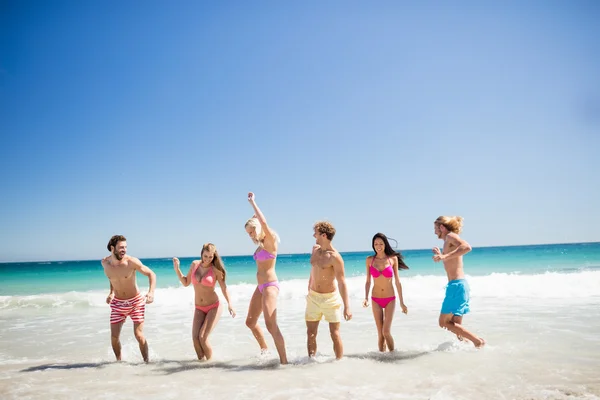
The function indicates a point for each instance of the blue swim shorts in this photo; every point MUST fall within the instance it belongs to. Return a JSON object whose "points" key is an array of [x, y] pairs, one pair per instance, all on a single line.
{"points": [[457, 298]]}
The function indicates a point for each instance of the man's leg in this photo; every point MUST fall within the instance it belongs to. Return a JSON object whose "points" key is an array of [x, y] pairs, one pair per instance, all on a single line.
{"points": [[457, 319], [115, 333], [312, 328], [338, 347], [138, 331], [446, 322]]}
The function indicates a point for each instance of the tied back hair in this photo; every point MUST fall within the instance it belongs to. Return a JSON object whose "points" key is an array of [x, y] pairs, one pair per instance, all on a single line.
{"points": [[388, 250], [453, 224]]}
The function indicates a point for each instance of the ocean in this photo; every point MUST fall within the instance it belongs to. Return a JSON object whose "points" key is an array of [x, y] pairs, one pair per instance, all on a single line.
{"points": [[538, 308]]}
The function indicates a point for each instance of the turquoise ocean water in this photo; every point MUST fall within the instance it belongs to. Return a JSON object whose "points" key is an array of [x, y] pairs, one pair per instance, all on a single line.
{"points": [[538, 308], [33, 278]]}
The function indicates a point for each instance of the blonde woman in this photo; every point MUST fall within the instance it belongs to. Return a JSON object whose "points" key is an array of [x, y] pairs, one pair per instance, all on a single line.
{"points": [[264, 299], [203, 275]]}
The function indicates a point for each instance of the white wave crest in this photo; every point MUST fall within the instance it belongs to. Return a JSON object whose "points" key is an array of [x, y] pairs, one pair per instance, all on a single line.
{"points": [[550, 285]]}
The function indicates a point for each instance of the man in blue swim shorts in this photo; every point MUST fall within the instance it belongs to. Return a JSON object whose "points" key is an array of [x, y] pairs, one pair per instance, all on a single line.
{"points": [[456, 301]]}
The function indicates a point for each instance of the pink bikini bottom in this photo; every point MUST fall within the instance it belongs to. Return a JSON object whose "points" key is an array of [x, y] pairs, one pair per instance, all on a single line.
{"points": [[383, 301]]}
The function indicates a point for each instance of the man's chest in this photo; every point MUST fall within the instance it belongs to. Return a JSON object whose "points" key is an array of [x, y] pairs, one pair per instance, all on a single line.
{"points": [[119, 272], [448, 247]]}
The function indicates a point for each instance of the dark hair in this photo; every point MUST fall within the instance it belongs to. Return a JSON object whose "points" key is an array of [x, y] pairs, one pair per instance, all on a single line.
{"points": [[114, 240], [388, 250]]}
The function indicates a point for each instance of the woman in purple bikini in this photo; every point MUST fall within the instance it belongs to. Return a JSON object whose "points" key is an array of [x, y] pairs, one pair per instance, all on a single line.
{"points": [[383, 267], [264, 299]]}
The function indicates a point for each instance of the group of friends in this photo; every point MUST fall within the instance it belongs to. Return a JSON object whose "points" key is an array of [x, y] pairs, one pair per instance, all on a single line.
{"points": [[327, 291]]}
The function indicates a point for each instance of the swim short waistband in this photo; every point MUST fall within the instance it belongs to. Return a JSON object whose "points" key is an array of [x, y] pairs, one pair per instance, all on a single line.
{"points": [[323, 295]]}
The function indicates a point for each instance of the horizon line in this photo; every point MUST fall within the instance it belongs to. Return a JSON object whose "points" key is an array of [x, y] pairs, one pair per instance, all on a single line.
{"points": [[291, 254]]}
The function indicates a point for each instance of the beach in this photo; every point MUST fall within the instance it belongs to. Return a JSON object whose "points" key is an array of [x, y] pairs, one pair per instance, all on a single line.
{"points": [[537, 307]]}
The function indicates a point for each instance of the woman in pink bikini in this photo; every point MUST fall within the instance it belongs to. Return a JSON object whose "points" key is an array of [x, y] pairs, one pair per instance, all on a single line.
{"points": [[204, 274], [264, 299], [382, 267]]}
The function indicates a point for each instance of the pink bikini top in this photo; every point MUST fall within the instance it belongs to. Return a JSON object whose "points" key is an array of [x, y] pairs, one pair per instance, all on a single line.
{"points": [[263, 255], [387, 272], [207, 280]]}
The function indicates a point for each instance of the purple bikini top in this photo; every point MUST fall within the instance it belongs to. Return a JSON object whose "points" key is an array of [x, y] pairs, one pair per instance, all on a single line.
{"points": [[263, 255]]}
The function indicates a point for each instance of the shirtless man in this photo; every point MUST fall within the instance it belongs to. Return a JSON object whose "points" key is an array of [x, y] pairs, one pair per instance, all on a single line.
{"points": [[456, 302], [125, 298], [323, 298]]}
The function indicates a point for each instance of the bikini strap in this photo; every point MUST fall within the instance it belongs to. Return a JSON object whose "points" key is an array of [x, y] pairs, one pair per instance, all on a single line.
{"points": [[194, 279]]}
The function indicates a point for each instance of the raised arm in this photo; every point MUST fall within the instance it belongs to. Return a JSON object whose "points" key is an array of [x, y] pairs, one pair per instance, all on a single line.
{"points": [[399, 285], [462, 248], [142, 269], [261, 219], [367, 284], [185, 280], [338, 268], [225, 292]]}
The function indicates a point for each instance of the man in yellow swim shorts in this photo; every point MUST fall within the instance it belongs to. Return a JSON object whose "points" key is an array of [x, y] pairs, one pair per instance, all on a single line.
{"points": [[324, 300]]}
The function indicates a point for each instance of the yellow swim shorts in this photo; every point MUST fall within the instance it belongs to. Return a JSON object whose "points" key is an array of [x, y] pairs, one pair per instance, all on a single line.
{"points": [[319, 305]]}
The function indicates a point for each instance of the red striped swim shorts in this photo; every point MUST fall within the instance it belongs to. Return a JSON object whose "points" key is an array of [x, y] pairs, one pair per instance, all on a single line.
{"points": [[134, 308]]}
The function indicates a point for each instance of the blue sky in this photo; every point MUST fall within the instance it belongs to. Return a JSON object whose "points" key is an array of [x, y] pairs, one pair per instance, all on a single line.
{"points": [[153, 120]]}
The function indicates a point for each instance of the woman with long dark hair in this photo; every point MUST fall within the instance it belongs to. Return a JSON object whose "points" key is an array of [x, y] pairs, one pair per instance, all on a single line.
{"points": [[382, 269]]}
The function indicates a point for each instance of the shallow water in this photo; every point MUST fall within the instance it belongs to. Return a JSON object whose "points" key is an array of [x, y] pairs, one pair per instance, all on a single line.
{"points": [[541, 330]]}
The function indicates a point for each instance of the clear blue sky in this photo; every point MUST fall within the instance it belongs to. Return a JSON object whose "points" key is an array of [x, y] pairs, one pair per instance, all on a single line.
{"points": [[154, 119]]}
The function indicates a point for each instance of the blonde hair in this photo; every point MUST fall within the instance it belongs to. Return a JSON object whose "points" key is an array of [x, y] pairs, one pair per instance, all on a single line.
{"points": [[260, 234], [217, 261], [453, 224], [254, 223]]}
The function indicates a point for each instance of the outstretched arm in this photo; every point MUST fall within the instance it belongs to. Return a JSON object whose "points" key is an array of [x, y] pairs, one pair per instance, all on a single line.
{"points": [[261, 218], [184, 279], [399, 286], [151, 278], [462, 248], [338, 268]]}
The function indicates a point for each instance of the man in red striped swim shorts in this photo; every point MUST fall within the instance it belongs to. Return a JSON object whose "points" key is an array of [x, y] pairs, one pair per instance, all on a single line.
{"points": [[124, 298]]}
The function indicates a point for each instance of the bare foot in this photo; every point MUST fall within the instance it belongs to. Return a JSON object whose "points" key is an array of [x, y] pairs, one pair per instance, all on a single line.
{"points": [[481, 343]]}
